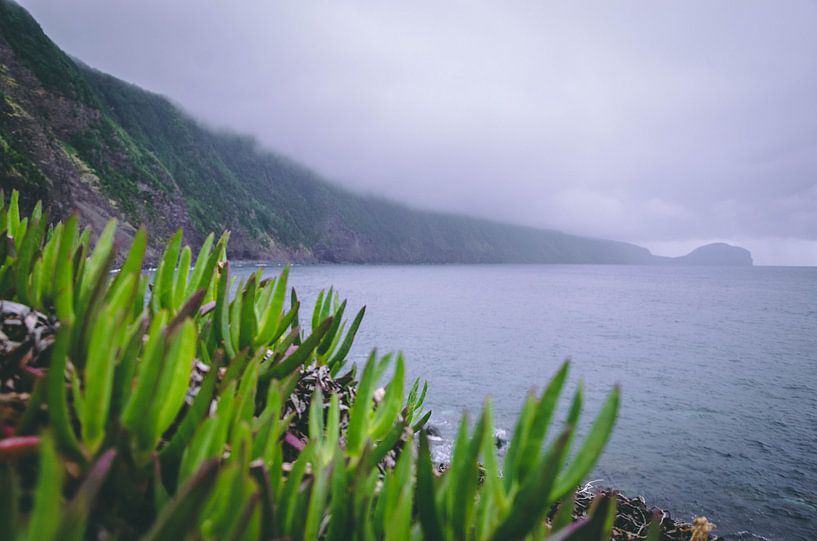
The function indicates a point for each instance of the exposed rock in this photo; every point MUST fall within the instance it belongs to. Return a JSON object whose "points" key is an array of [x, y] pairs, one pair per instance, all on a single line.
{"points": [[500, 438], [633, 517]]}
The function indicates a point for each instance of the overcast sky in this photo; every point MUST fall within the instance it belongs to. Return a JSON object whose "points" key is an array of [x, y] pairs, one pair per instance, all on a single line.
{"points": [[668, 124]]}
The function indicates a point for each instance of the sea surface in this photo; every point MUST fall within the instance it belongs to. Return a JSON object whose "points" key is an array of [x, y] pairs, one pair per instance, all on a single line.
{"points": [[718, 369]]}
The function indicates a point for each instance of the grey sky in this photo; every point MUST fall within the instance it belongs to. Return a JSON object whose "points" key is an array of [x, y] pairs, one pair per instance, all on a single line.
{"points": [[668, 124]]}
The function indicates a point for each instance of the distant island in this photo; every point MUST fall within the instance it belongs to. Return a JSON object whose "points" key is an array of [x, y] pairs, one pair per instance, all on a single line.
{"points": [[715, 254], [83, 141]]}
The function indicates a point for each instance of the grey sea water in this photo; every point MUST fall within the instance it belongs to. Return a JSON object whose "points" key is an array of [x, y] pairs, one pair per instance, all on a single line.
{"points": [[718, 368]]}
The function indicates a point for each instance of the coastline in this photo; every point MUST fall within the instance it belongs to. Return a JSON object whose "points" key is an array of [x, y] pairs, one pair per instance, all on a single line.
{"points": [[633, 516], [633, 513]]}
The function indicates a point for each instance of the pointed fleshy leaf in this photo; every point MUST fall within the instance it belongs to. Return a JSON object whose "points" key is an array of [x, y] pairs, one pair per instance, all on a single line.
{"points": [[316, 312], [180, 516], [426, 507], [200, 266], [591, 448], [175, 376], [57, 400], [106, 337], [564, 515], [9, 512], [182, 275], [392, 403], [63, 274], [133, 262], [339, 501], [529, 507], [76, 514], [300, 355], [332, 331], [249, 321], [163, 283], [540, 422], [44, 520], [272, 325]]}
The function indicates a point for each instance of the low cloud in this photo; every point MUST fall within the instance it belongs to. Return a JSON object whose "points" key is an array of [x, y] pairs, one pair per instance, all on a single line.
{"points": [[658, 123]]}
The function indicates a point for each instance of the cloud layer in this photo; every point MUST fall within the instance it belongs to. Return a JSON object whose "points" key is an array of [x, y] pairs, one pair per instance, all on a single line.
{"points": [[661, 123]]}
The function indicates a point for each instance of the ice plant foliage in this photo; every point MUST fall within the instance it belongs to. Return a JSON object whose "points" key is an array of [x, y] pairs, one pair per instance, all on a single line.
{"points": [[189, 406]]}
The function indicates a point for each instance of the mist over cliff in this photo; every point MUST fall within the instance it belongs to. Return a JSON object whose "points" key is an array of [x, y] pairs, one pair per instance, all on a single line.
{"points": [[84, 141]]}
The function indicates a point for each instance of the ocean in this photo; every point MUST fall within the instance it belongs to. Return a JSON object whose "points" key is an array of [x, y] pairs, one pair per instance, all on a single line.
{"points": [[717, 365]]}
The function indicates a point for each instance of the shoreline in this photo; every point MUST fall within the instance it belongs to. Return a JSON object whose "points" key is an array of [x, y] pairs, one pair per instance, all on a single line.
{"points": [[633, 516], [633, 513]]}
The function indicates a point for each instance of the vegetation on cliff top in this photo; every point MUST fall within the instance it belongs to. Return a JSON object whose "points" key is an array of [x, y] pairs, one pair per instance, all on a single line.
{"points": [[177, 410]]}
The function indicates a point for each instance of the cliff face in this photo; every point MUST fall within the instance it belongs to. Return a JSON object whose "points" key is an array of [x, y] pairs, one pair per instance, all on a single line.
{"points": [[59, 146], [83, 141]]}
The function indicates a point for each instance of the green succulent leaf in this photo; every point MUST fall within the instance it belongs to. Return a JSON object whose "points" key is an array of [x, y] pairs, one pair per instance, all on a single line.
{"points": [[45, 517], [594, 443], [57, 400], [529, 507], [175, 376], [301, 355], [75, 518], [426, 506], [180, 515]]}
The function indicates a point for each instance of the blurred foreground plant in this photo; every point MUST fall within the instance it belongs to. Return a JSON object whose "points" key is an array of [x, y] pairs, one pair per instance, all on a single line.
{"points": [[206, 412]]}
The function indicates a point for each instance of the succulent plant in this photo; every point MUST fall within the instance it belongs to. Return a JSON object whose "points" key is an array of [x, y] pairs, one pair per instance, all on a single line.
{"points": [[195, 407]]}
